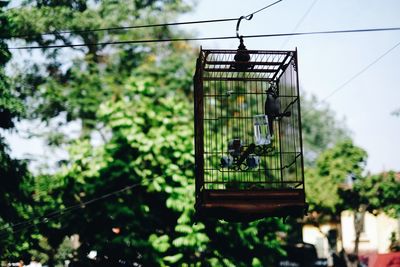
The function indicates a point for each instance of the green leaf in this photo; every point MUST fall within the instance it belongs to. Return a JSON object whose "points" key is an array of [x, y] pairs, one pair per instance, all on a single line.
{"points": [[173, 259]]}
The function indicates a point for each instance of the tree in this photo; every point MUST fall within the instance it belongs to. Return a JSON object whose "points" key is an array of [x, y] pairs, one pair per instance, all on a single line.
{"points": [[338, 183], [335, 171], [76, 90], [333, 167], [146, 148], [138, 98], [375, 194], [54, 90], [149, 146], [134, 104], [321, 129], [14, 197]]}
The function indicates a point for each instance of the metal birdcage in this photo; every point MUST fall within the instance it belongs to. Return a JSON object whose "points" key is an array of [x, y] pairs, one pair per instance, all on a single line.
{"points": [[248, 144]]}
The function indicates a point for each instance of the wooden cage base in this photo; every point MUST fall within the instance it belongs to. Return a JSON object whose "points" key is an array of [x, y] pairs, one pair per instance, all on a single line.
{"points": [[250, 205]]}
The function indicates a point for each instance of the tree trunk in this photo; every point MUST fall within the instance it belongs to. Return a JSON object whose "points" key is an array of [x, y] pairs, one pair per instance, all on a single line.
{"points": [[51, 260], [359, 216], [359, 225]]}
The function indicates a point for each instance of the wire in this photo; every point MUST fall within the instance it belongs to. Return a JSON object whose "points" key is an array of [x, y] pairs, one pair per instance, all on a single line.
{"points": [[123, 28], [30, 225], [55, 214], [300, 22], [249, 17], [136, 26], [207, 38], [261, 9], [361, 71], [355, 76]]}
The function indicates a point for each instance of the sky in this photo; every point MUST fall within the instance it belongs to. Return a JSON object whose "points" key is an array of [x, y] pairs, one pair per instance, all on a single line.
{"points": [[326, 62]]}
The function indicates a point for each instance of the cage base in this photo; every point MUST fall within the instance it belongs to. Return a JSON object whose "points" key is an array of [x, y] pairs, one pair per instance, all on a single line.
{"points": [[250, 205]]}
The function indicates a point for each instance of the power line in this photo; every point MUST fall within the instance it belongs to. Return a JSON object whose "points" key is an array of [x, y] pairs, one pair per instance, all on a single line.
{"points": [[361, 71], [32, 224], [356, 75], [55, 214], [137, 26], [261, 9], [122, 28], [300, 22], [207, 38]]}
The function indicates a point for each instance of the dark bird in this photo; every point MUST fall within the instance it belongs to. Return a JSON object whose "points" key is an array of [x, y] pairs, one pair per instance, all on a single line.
{"points": [[226, 161], [250, 149], [272, 108]]}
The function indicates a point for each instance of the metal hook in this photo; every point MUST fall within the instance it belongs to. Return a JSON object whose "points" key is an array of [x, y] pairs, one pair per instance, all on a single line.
{"points": [[248, 17]]}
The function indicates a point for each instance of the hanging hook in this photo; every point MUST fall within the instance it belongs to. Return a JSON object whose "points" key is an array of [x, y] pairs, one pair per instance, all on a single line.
{"points": [[248, 17], [242, 56]]}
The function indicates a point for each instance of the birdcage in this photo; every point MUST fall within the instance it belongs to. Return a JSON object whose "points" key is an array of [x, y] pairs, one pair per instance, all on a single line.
{"points": [[248, 144]]}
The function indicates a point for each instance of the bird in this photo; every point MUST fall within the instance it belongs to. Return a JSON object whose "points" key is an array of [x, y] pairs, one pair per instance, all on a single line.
{"points": [[272, 107], [226, 161], [252, 161], [250, 149]]}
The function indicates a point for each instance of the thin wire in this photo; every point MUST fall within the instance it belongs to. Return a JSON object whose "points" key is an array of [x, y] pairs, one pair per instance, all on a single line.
{"points": [[122, 28], [261, 9], [54, 214], [136, 26], [361, 71], [4, 234], [300, 22], [355, 76], [207, 38]]}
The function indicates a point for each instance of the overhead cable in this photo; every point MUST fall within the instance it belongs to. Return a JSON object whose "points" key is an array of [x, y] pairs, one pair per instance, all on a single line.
{"points": [[361, 71], [61, 212], [208, 38], [120, 28], [261, 9], [44, 218], [296, 27], [135, 26], [343, 85]]}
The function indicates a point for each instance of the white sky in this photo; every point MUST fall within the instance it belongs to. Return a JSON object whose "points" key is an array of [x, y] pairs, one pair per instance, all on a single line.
{"points": [[325, 62]]}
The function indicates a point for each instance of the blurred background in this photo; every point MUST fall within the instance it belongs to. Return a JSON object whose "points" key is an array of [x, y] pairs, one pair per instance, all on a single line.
{"points": [[96, 148]]}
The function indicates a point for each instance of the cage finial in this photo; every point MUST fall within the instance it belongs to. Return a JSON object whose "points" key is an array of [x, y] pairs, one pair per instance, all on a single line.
{"points": [[242, 57]]}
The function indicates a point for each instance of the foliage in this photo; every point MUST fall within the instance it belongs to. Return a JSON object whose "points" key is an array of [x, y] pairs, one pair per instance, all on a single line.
{"points": [[144, 150], [134, 105], [76, 91], [338, 182], [253, 244], [334, 166], [137, 98], [79, 88], [321, 129], [14, 203], [14, 197], [380, 192]]}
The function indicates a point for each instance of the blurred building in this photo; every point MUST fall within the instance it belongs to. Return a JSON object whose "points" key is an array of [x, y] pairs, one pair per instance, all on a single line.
{"points": [[375, 236]]}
